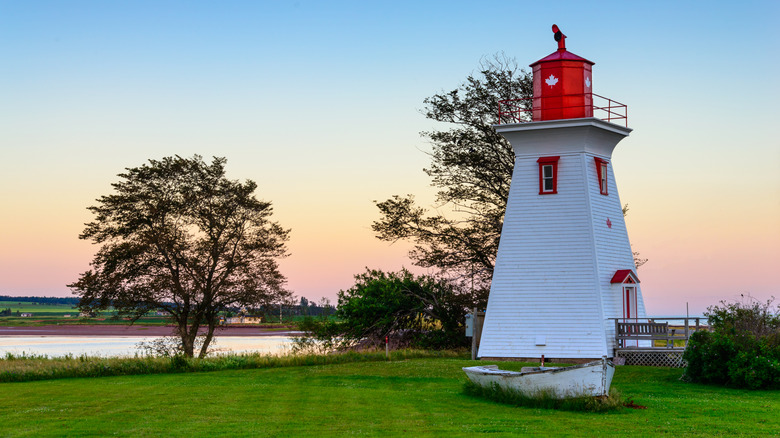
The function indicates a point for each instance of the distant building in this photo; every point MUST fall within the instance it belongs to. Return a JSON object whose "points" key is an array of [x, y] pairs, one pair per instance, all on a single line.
{"points": [[26, 315], [245, 320]]}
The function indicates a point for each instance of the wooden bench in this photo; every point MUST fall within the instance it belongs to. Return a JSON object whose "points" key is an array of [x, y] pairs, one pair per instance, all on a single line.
{"points": [[643, 331]]}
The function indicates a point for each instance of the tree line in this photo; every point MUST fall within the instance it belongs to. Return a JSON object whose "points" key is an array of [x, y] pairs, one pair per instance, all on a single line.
{"points": [[73, 301]]}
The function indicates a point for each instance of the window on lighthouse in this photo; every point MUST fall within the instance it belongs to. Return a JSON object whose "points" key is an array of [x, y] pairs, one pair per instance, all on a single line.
{"points": [[601, 170], [548, 175]]}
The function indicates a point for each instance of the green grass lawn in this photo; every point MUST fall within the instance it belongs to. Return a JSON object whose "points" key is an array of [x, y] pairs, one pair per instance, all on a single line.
{"points": [[417, 397]]}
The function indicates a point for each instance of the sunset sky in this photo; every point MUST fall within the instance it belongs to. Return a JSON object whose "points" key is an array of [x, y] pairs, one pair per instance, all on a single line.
{"points": [[319, 103]]}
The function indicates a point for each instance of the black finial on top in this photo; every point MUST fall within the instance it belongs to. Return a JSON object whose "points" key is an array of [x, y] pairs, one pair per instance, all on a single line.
{"points": [[560, 37]]}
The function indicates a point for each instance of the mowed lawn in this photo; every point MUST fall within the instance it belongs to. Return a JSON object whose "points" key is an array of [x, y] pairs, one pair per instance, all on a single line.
{"points": [[420, 397]]}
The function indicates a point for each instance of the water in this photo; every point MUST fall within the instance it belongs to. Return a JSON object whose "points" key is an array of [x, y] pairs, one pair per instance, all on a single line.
{"points": [[116, 346]]}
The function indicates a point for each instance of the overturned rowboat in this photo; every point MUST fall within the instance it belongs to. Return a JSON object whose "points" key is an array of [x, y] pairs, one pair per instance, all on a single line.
{"points": [[590, 379]]}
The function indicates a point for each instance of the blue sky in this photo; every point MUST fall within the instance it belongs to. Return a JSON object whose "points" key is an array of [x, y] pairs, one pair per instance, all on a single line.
{"points": [[319, 103]]}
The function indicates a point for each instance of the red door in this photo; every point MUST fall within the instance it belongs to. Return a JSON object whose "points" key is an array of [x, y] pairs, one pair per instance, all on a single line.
{"points": [[629, 302], [629, 308]]}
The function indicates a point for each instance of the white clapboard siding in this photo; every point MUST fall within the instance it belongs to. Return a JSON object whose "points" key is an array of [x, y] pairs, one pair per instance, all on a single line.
{"points": [[612, 245], [551, 284]]}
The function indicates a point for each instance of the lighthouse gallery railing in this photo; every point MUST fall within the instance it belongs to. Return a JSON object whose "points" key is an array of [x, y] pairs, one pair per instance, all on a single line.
{"points": [[521, 110]]}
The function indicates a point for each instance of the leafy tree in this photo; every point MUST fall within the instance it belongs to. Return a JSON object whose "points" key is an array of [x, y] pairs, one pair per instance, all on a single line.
{"points": [[471, 166], [418, 310], [379, 303], [176, 235]]}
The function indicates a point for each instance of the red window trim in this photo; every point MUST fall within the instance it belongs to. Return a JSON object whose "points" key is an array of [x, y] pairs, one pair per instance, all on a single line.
{"points": [[603, 188], [546, 161]]}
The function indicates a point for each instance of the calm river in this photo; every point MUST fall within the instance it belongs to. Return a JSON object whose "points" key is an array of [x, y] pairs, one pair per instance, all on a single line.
{"points": [[112, 346]]}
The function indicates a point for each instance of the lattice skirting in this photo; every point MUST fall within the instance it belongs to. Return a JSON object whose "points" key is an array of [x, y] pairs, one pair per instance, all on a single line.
{"points": [[648, 358]]}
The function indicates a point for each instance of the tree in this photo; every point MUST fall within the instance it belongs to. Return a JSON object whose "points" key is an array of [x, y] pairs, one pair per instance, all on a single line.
{"points": [[471, 165], [178, 236], [420, 310]]}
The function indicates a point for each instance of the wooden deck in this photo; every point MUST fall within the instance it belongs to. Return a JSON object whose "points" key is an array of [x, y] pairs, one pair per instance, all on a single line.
{"points": [[637, 341], [654, 342]]}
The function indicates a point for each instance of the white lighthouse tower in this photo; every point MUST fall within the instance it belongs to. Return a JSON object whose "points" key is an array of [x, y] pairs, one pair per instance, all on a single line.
{"points": [[564, 269]]}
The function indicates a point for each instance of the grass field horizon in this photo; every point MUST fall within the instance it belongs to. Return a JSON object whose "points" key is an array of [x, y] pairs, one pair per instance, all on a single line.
{"points": [[417, 397], [50, 313], [55, 314]]}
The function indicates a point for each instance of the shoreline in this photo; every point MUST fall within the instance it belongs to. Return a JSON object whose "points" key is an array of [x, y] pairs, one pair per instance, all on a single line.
{"points": [[132, 330]]}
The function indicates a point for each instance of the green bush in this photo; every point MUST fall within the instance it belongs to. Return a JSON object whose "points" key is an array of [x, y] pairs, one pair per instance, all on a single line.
{"points": [[742, 350]]}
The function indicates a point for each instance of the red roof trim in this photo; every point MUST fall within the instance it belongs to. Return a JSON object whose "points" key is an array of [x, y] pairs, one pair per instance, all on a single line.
{"points": [[621, 275], [562, 55]]}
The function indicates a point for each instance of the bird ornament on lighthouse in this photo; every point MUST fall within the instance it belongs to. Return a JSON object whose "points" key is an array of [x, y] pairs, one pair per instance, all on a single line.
{"points": [[564, 270]]}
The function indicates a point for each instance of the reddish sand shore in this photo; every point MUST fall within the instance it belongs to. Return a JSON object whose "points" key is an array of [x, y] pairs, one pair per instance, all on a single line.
{"points": [[129, 330]]}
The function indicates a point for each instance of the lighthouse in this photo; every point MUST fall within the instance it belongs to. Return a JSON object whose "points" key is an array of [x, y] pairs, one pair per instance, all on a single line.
{"points": [[564, 270]]}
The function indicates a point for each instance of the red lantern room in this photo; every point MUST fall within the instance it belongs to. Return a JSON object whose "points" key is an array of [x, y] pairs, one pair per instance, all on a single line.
{"points": [[562, 84]]}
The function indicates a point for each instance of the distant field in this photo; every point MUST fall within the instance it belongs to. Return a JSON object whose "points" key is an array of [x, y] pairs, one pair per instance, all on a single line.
{"points": [[44, 314], [35, 308], [418, 397]]}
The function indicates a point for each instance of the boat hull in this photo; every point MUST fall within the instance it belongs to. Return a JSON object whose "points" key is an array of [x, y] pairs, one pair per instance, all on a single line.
{"points": [[590, 379]]}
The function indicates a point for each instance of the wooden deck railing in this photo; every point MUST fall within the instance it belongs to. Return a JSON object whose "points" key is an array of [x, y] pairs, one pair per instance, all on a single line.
{"points": [[655, 333]]}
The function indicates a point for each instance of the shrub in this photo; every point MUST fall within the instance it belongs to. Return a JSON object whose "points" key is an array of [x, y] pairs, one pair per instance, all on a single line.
{"points": [[742, 350]]}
